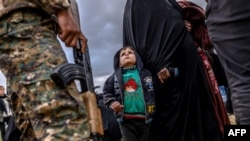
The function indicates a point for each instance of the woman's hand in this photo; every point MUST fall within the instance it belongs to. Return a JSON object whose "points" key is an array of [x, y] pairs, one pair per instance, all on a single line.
{"points": [[188, 25], [163, 74]]}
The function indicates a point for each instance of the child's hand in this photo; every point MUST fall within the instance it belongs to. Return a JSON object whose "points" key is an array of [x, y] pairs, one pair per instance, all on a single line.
{"points": [[116, 107], [163, 74]]}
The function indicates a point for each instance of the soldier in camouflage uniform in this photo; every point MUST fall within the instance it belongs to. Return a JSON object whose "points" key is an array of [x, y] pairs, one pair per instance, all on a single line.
{"points": [[29, 51]]}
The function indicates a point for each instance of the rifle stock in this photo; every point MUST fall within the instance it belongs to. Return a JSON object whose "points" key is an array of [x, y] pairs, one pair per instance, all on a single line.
{"points": [[94, 114]]}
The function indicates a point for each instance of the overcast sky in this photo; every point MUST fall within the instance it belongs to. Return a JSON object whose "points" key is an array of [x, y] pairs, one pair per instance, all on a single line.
{"points": [[101, 22]]}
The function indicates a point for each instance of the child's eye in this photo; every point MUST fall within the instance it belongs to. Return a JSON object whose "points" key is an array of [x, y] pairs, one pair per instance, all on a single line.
{"points": [[122, 54], [130, 52]]}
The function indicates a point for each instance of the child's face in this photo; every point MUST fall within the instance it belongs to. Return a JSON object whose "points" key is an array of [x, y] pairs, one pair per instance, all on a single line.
{"points": [[127, 58]]}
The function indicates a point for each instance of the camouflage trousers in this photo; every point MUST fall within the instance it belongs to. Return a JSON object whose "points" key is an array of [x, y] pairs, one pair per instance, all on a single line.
{"points": [[29, 51]]}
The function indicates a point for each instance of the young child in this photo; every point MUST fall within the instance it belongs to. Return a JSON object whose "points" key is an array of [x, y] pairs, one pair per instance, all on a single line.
{"points": [[129, 93]]}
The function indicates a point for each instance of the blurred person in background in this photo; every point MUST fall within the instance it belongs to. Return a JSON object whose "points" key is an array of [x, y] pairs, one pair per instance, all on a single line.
{"points": [[228, 27], [5, 111]]}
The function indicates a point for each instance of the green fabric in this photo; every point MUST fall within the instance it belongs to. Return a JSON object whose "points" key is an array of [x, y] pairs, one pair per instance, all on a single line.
{"points": [[133, 93]]}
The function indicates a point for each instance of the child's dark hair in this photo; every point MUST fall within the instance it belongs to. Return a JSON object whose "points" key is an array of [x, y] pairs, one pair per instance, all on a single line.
{"points": [[125, 47]]}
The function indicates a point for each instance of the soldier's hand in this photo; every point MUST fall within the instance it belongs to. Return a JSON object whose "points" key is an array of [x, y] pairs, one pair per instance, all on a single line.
{"points": [[69, 30]]}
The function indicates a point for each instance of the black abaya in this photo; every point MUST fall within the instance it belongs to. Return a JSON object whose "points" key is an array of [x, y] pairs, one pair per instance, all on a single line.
{"points": [[184, 105]]}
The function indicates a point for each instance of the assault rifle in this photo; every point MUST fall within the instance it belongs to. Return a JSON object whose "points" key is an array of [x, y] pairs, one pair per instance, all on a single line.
{"points": [[66, 73], [81, 71]]}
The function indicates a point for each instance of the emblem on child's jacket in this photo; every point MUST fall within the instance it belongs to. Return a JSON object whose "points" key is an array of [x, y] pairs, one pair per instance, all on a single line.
{"points": [[149, 83]]}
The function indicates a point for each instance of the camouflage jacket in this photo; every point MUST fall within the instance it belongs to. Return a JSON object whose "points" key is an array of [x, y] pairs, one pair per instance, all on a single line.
{"points": [[48, 6]]}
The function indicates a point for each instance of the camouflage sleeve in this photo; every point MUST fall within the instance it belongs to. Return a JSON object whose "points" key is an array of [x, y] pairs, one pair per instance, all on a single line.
{"points": [[52, 6]]}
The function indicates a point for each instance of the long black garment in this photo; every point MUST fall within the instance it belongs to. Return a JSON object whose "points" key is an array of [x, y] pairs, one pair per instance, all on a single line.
{"points": [[184, 105]]}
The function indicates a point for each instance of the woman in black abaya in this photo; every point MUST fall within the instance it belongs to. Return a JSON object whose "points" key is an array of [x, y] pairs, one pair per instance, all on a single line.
{"points": [[185, 109]]}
